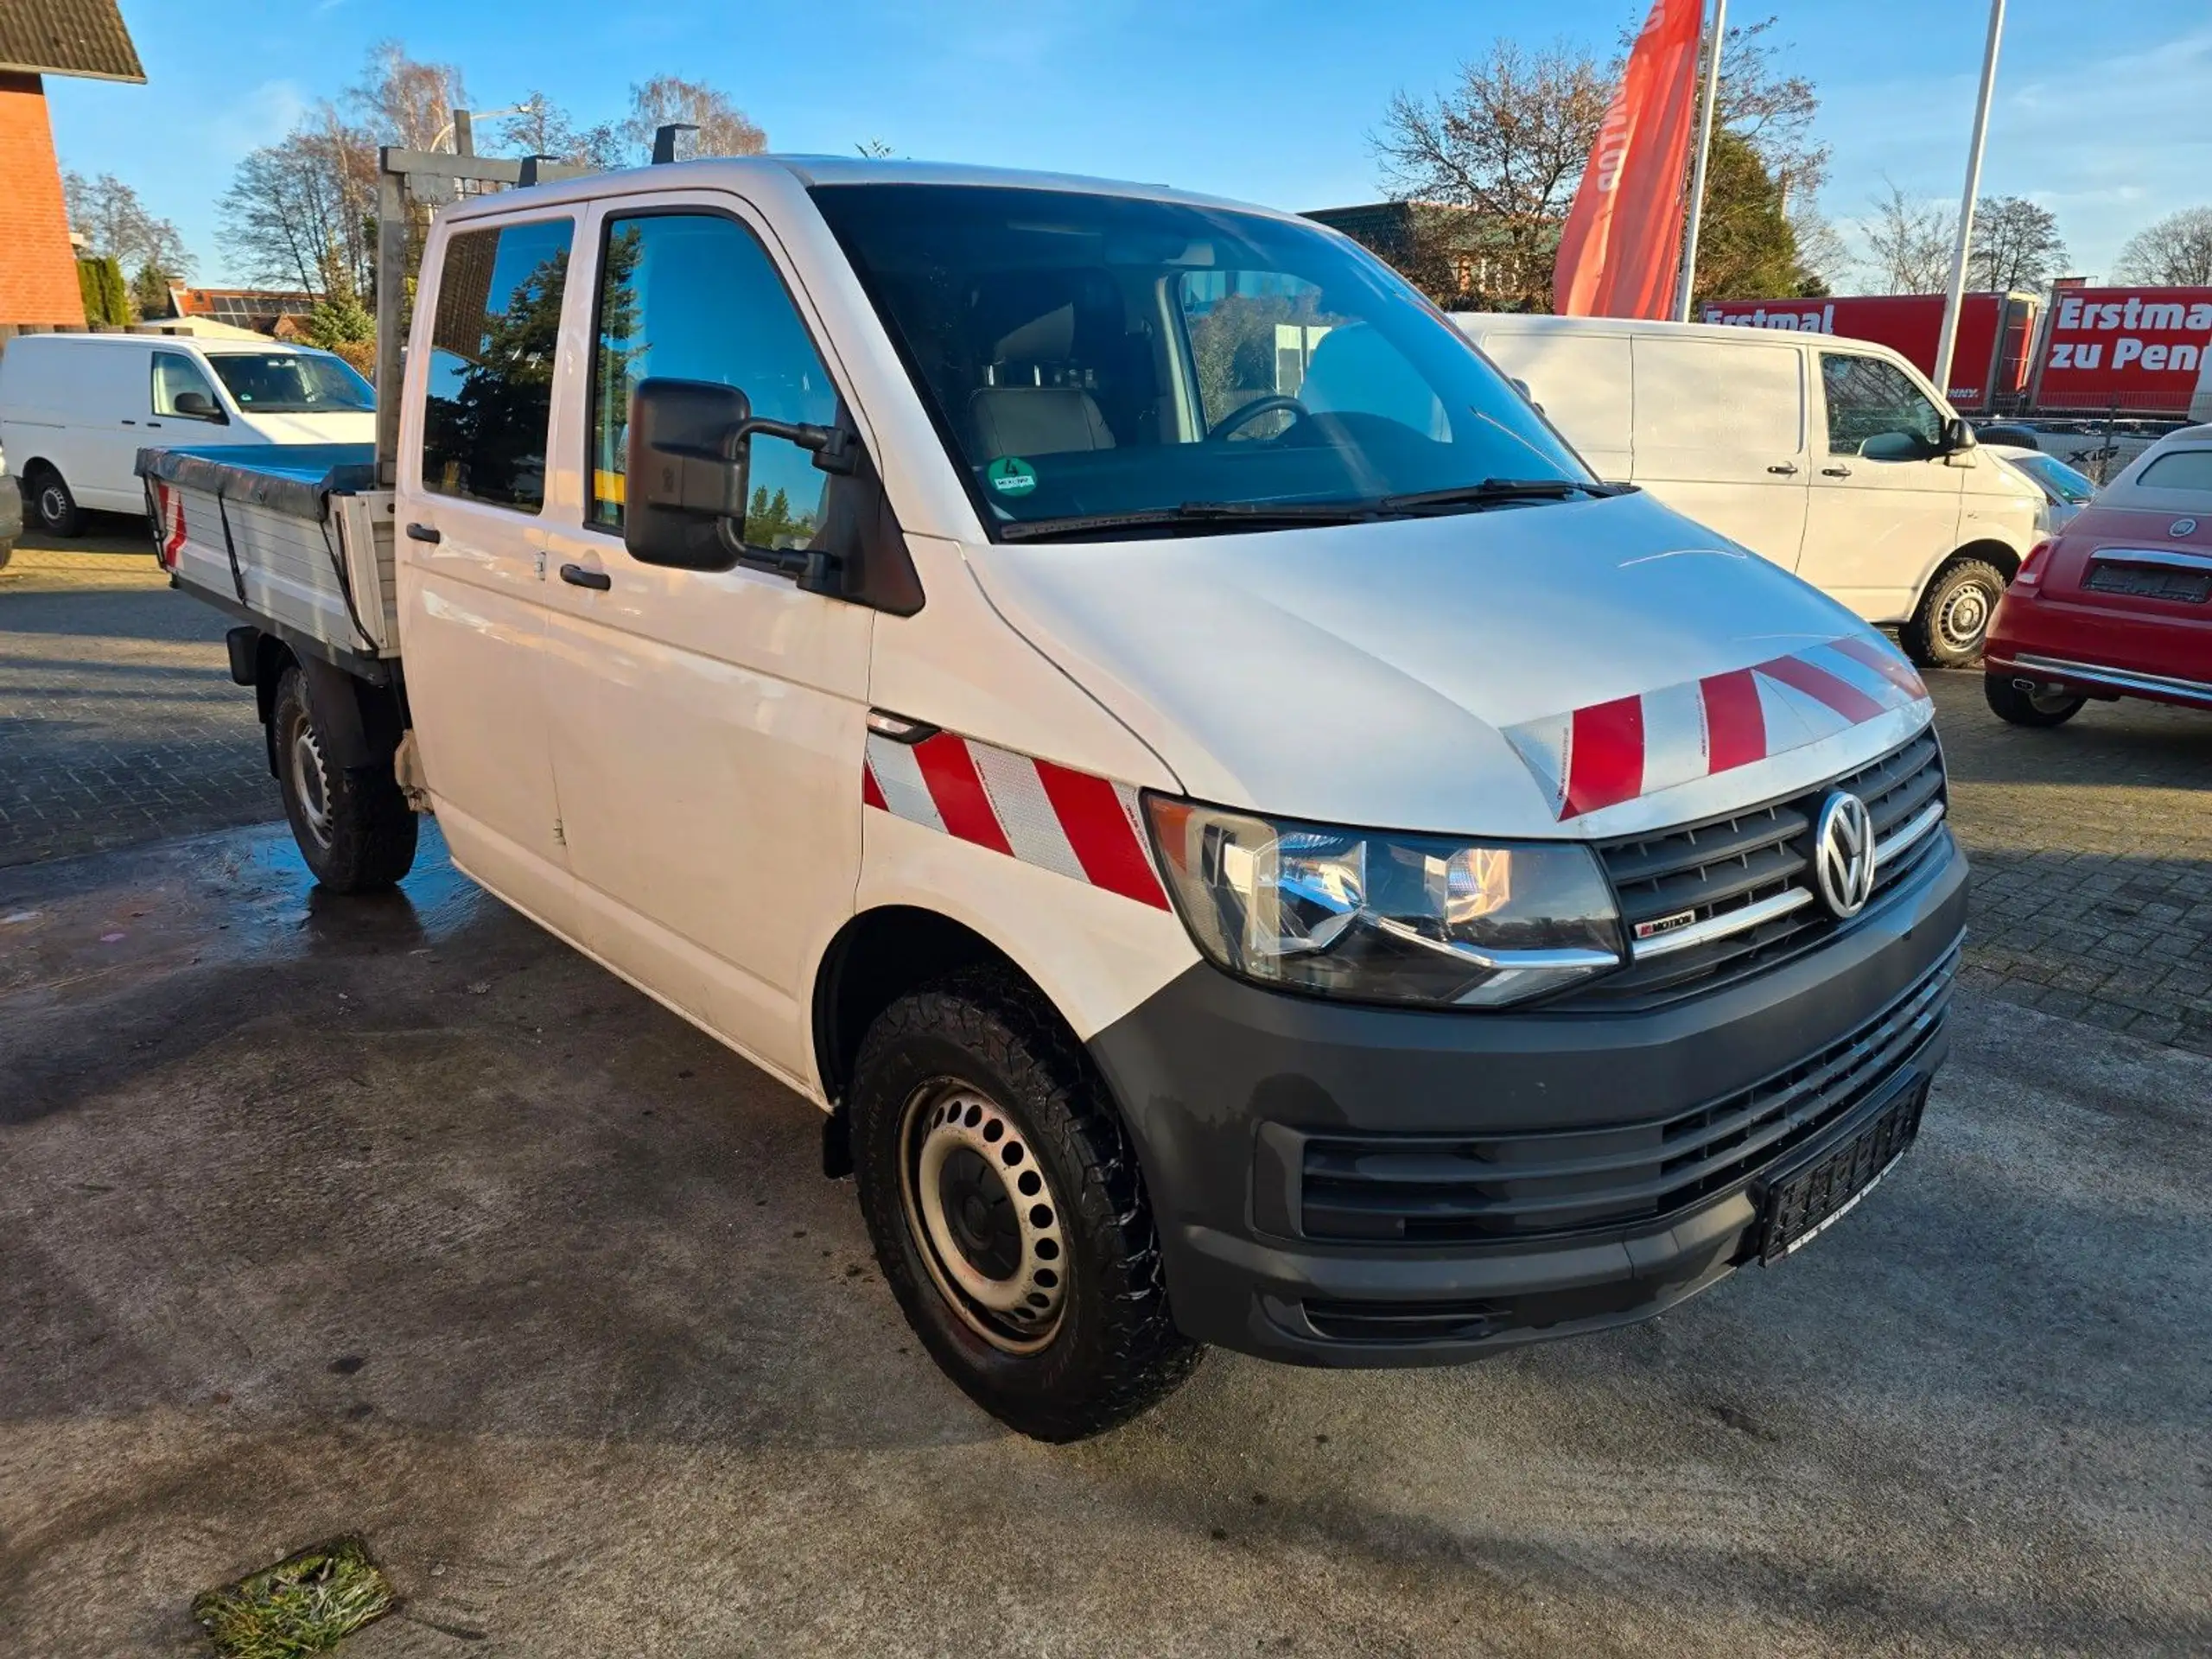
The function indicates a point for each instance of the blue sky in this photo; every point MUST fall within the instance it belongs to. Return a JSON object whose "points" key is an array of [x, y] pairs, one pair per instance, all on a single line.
{"points": [[2100, 110]]}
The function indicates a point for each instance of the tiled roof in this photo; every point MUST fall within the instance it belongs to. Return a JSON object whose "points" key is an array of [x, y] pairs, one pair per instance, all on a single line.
{"points": [[67, 37]]}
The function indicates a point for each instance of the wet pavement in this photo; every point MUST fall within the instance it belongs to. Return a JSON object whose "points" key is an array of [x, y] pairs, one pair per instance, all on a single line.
{"points": [[397, 1217]]}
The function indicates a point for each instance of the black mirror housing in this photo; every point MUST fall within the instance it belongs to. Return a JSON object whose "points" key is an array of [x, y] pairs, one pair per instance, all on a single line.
{"points": [[1958, 436], [683, 501]]}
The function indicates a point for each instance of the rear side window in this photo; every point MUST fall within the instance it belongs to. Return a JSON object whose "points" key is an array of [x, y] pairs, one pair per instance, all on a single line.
{"points": [[490, 393], [693, 296], [182, 391], [2184, 469]]}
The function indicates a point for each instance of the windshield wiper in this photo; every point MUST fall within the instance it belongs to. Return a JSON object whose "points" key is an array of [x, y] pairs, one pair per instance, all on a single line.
{"points": [[1499, 489], [1196, 513]]}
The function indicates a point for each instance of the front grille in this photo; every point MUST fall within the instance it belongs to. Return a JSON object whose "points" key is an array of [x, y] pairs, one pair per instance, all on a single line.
{"points": [[1732, 863], [1537, 1184]]}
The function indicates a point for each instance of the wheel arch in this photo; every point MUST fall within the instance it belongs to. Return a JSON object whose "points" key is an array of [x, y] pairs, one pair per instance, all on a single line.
{"points": [[1990, 550]]}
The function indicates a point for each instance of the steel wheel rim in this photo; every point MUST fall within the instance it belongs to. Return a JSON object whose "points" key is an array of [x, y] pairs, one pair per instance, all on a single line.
{"points": [[1964, 617], [310, 783], [52, 503], [1002, 1268]]}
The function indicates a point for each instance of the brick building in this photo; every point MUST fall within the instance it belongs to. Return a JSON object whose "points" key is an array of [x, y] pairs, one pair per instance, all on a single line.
{"points": [[38, 268]]}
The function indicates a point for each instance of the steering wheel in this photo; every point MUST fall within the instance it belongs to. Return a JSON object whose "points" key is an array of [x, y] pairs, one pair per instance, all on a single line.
{"points": [[1238, 418]]}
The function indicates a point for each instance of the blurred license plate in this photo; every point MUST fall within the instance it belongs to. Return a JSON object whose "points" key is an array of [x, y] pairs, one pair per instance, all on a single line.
{"points": [[1802, 1204]]}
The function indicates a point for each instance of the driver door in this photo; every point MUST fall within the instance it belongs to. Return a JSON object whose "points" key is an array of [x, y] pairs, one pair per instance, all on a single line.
{"points": [[1885, 503]]}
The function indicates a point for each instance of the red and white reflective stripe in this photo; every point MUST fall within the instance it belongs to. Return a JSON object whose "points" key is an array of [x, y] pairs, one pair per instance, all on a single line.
{"points": [[1074, 823], [1608, 752], [170, 506]]}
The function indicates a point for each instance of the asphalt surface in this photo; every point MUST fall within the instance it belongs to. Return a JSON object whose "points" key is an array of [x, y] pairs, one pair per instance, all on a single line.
{"points": [[398, 1217]]}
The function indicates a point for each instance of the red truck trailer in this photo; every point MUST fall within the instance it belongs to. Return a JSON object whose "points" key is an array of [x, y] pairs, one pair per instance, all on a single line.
{"points": [[2138, 352], [1989, 366]]}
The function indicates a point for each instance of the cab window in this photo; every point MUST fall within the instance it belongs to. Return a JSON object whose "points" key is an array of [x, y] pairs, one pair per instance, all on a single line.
{"points": [[490, 395], [694, 296], [1875, 411], [182, 391]]}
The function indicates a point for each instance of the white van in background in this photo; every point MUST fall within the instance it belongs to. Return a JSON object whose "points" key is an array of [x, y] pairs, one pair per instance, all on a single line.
{"points": [[1833, 458], [75, 409]]}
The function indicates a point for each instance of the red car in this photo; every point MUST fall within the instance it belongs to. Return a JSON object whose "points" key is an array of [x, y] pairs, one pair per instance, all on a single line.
{"points": [[2118, 603]]}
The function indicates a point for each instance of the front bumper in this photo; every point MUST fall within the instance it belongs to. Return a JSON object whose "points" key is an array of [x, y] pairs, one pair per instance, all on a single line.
{"points": [[1225, 1086]]}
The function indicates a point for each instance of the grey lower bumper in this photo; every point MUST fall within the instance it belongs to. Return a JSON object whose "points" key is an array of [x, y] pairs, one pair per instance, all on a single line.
{"points": [[1222, 1083]]}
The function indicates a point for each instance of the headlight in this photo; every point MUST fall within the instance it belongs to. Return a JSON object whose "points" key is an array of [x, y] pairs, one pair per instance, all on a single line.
{"points": [[1379, 917]]}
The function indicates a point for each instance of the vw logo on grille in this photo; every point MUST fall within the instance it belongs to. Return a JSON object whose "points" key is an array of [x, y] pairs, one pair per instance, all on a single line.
{"points": [[1843, 854]]}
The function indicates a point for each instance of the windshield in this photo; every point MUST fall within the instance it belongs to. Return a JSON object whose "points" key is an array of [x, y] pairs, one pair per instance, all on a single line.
{"points": [[2058, 479], [1088, 356], [292, 382]]}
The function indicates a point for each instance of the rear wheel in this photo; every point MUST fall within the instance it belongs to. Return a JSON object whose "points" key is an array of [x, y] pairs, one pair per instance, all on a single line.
{"points": [[352, 824], [1008, 1210], [1954, 617], [2022, 707], [52, 504]]}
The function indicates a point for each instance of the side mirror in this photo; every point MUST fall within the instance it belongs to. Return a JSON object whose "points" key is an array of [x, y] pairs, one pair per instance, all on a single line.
{"points": [[689, 479], [683, 503], [1959, 442], [201, 407]]}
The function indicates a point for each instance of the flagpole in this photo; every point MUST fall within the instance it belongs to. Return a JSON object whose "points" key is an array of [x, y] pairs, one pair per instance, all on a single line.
{"points": [[1703, 151], [1956, 297]]}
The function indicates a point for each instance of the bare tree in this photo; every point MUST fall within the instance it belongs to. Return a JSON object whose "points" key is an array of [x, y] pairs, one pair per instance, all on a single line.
{"points": [[116, 225], [406, 101], [299, 213], [1909, 244], [2016, 244], [724, 130], [1772, 112], [544, 128], [2177, 251], [1509, 142]]}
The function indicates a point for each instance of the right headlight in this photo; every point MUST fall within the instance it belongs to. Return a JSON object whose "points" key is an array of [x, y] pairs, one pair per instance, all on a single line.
{"points": [[1437, 920]]}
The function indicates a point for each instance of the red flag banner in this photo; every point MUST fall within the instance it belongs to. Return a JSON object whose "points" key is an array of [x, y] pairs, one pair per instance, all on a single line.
{"points": [[1618, 254]]}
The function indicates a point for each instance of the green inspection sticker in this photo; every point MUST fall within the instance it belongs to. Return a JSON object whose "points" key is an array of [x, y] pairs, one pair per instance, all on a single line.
{"points": [[1011, 475]]}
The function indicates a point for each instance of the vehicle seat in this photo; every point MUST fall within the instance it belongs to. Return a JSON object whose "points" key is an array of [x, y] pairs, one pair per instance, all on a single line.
{"points": [[1037, 420]]}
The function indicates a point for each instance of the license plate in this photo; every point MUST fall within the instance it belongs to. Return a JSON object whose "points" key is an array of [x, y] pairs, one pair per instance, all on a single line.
{"points": [[1805, 1203]]}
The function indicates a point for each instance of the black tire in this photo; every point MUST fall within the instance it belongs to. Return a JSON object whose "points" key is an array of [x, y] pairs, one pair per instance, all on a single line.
{"points": [[1953, 620], [55, 510], [2007, 701], [1103, 1347], [352, 825]]}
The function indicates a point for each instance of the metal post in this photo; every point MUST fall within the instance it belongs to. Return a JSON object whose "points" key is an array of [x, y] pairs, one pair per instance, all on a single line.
{"points": [[1956, 297], [1689, 277], [392, 301], [464, 134]]}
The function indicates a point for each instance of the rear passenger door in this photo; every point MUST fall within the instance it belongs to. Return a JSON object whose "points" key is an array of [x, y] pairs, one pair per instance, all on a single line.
{"points": [[473, 444], [708, 726], [1884, 503], [1719, 429]]}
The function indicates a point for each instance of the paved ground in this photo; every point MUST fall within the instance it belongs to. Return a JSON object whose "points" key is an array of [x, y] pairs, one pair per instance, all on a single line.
{"points": [[397, 1217], [118, 722]]}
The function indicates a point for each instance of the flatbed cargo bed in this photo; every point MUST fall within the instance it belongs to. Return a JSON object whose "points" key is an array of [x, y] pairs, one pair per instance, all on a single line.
{"points": [[295, 538]]}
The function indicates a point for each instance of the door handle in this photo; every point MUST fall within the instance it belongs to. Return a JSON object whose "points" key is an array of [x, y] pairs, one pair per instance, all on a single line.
{"points": [[424, 533], [127, 421], [1836, 472], [576, 576], [1788, 469]]}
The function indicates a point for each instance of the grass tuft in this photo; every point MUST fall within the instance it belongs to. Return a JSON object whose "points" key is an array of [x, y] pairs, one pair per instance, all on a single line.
{"points": [[304, 1604]]}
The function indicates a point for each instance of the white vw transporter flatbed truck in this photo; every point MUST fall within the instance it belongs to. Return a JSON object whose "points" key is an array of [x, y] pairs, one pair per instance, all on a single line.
{"points": [[1110, 696]]}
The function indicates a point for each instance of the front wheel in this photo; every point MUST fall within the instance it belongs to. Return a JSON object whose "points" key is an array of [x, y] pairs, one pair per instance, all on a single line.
{"points": [[1953, 620], [1007, 1212], [2008, 701], [352, 824]]}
